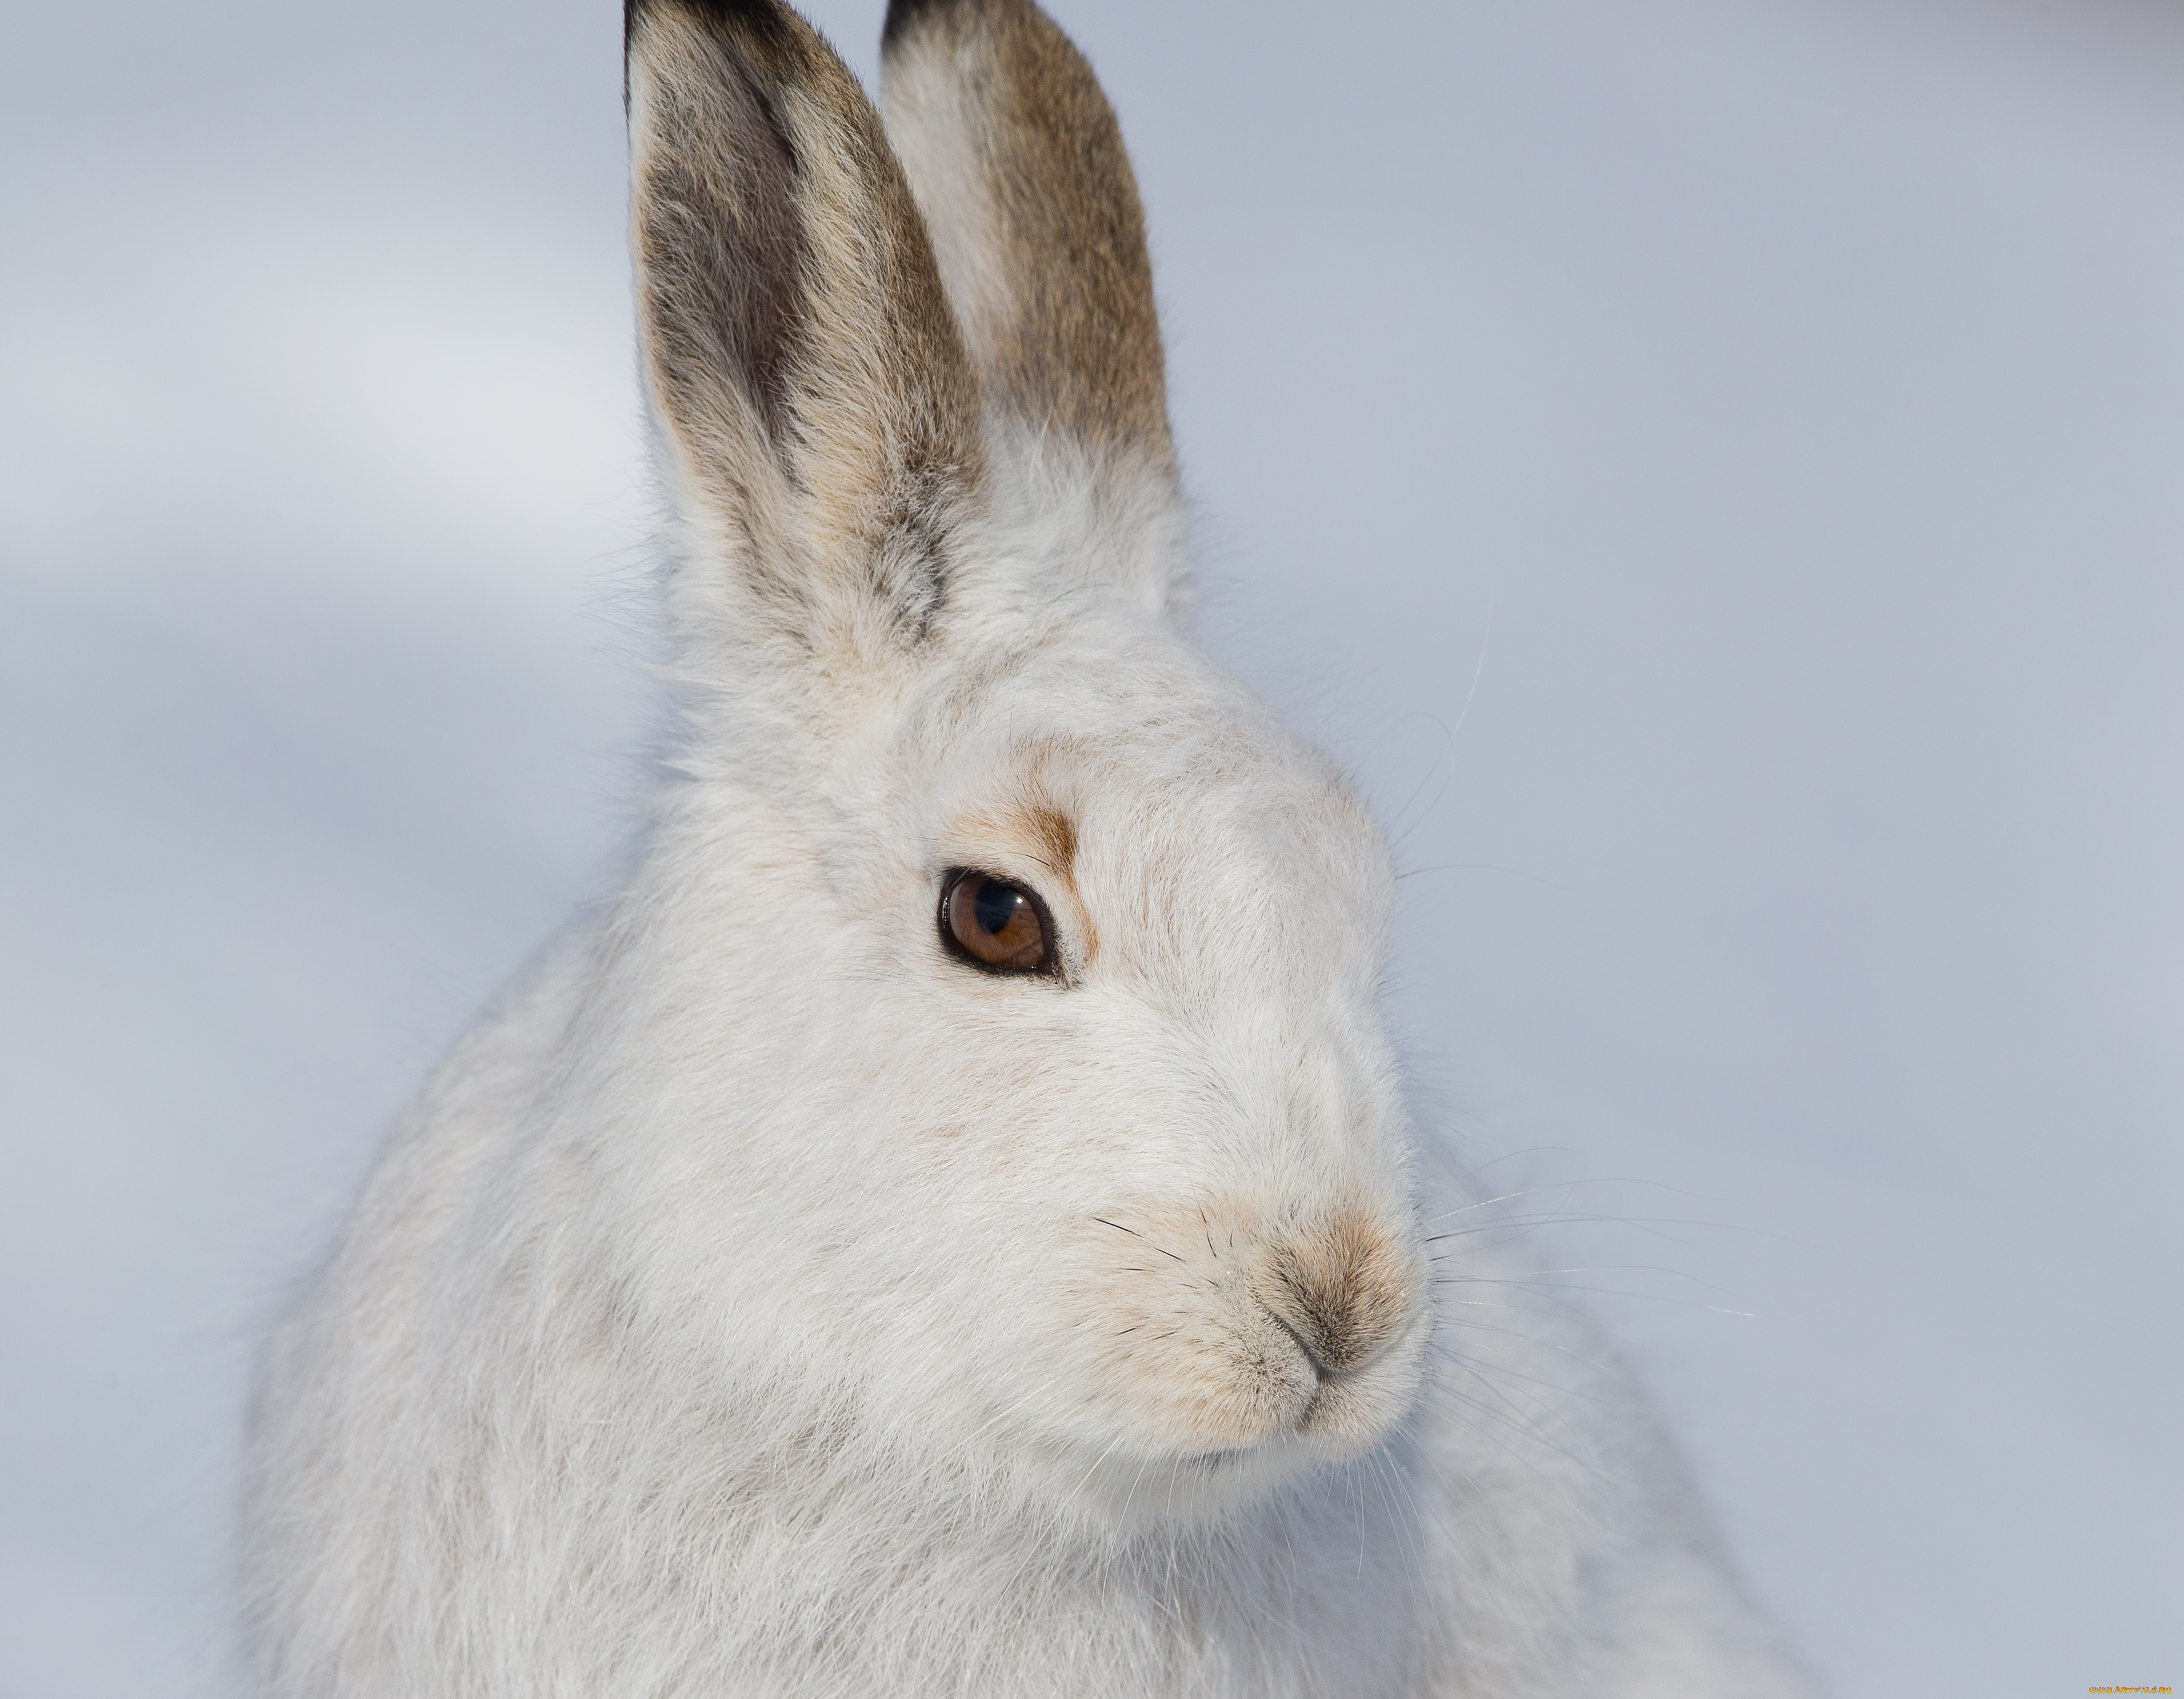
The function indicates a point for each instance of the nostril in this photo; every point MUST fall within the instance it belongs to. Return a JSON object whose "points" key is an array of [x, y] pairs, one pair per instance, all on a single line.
{"points": [[1342, 1292], [1319, 1369], [1336, 1332]]}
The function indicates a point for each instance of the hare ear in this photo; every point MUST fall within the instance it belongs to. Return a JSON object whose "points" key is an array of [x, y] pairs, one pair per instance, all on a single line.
{"points": [[1015, 158], [820, 418]]}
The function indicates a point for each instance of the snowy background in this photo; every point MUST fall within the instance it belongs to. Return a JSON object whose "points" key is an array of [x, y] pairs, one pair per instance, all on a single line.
{"points": [[1716, 465]]}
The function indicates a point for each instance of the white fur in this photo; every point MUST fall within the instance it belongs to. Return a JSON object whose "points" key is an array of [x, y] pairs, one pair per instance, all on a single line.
{"points": [[761, 1302]]}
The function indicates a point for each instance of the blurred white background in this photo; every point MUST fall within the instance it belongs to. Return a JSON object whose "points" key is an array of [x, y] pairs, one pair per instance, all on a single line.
{"points": [[1716, 465]]}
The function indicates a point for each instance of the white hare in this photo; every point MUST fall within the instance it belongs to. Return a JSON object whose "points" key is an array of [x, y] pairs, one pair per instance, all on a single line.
{"points": [[951, 1227]]}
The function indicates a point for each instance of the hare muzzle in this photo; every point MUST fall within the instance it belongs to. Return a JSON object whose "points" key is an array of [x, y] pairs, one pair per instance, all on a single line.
{"points": [[1236, 1328]]}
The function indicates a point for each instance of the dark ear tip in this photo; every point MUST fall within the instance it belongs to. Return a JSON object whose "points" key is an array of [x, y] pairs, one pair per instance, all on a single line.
{"points": [[905, 15], [764, 18], [747, 28]]}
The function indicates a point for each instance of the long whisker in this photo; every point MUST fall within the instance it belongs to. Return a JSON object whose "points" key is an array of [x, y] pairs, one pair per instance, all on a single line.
{"points": [[1135, 1233]]}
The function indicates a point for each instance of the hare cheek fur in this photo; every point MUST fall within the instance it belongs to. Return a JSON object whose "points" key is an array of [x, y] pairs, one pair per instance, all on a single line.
{"points": [[764, 1299]]}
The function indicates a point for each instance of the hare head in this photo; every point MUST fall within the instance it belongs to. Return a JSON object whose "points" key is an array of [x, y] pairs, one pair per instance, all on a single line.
{"points": [[987, 1065]]}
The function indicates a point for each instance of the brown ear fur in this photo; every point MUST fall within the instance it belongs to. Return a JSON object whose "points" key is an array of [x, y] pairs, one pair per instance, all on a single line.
{"points": [[821, 415], [1016, 159]]}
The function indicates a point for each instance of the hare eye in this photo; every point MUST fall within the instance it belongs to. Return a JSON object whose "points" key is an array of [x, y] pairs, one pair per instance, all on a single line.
{"points": [[996, 925]]}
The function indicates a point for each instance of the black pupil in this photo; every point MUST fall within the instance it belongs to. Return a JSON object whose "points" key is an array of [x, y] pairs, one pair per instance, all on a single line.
{"points": [[996, 906]]}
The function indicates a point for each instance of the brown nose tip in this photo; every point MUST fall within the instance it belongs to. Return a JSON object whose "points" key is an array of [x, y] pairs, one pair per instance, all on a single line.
{"points": [[1344, 1289]]}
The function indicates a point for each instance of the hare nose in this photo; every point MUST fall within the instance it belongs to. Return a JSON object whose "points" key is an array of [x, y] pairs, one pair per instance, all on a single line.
{"points": [[1343, 1290]]}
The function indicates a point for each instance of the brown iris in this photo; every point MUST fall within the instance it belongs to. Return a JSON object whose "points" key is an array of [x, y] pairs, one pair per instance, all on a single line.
{"points": [[996, 925]]}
